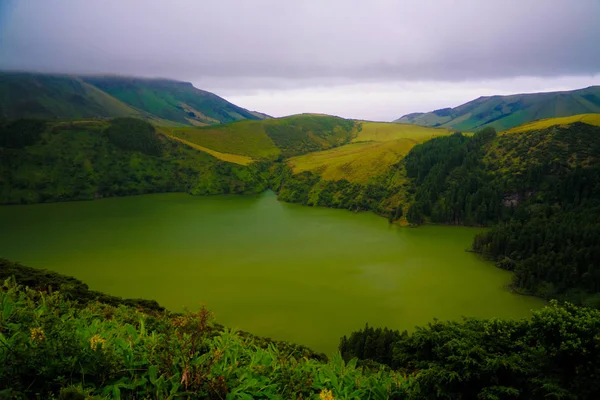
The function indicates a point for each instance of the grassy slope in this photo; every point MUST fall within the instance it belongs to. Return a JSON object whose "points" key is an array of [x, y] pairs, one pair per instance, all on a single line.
{"points": [[384, 131], [591, 119], [505, 112], [574, 145], [55, 96], [76, 161], [172, 100], [245, 138], [376, 147], [268, 139], [162, 102], [232, 158]]}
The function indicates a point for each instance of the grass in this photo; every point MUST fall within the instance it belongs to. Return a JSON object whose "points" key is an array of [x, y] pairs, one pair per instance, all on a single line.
{"points": [[245, 138], [355, 162], [592, 119], [384, 131], [376, 147], [232, 158], [270, 139]]}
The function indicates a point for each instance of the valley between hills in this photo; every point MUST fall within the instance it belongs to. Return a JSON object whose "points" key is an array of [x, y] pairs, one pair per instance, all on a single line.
{"points": [[515, 180]]}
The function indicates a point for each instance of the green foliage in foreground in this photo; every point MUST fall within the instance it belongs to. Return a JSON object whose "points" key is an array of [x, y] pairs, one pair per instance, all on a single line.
{"points": [[83, 160], [52, 347], [555, 354], [55, 345]]}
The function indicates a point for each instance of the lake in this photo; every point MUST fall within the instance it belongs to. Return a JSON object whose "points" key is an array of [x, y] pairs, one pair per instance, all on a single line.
{"points": [[295, 273]]}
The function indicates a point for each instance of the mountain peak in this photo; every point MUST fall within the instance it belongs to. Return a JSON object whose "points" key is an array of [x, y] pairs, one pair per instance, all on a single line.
{"points": [[505, 112]]}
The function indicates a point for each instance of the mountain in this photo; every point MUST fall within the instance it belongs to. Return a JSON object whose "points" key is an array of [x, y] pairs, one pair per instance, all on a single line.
{"points": [[172, 100], [505, 112], [56, 96], [161, 101]]}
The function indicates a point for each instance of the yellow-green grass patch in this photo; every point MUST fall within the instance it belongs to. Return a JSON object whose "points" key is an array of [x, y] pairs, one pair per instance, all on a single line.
{"points": [[232, 158], [386, 131], [355, 162], [245, 138], [592, 119]]}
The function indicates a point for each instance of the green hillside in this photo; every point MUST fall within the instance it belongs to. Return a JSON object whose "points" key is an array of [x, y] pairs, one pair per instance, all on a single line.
{"points": [[82, 160], [271, 138], [591, 119], [505, 112], [162, 102], [56, 96], [171, 100], [373, 150]]}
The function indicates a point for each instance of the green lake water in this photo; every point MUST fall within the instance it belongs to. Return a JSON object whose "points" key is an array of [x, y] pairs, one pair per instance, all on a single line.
{"points": [[306, 275]]}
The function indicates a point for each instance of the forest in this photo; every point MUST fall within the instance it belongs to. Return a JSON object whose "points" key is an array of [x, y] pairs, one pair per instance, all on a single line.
{"points": [[538, 190], [83, 160], [554, 354]]}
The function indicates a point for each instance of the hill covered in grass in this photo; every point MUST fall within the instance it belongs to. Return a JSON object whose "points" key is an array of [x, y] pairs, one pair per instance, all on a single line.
{"points": [[56, 96], [505, 112], [372, 151], [591, 119], [170, 100], [82, 160], [271, 138], [160, 101]]}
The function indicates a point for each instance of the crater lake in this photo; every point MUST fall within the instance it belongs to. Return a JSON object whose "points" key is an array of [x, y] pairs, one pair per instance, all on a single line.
{"points": [[285, 271]]}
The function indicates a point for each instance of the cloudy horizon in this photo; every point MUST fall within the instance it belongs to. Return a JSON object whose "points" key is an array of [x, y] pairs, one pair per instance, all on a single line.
{"points": [[373, 60]]}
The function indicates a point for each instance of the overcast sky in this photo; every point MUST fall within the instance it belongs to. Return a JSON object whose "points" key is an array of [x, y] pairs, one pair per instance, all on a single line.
{"points": [[371, 59]]}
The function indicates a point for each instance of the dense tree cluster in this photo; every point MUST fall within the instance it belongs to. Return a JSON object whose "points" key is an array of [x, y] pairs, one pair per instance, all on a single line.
{"points": [[541, 192], [133, 134], [309, 189], [451, 185], [554, 253], [19, 133], [555, 354]]}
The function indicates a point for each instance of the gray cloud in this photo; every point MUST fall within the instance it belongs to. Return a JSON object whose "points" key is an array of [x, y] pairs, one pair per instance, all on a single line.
{"points": [[266, 42]]}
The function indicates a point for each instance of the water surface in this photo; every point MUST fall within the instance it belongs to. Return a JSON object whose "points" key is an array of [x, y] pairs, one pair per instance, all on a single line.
{"points": [[307, 275]]}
